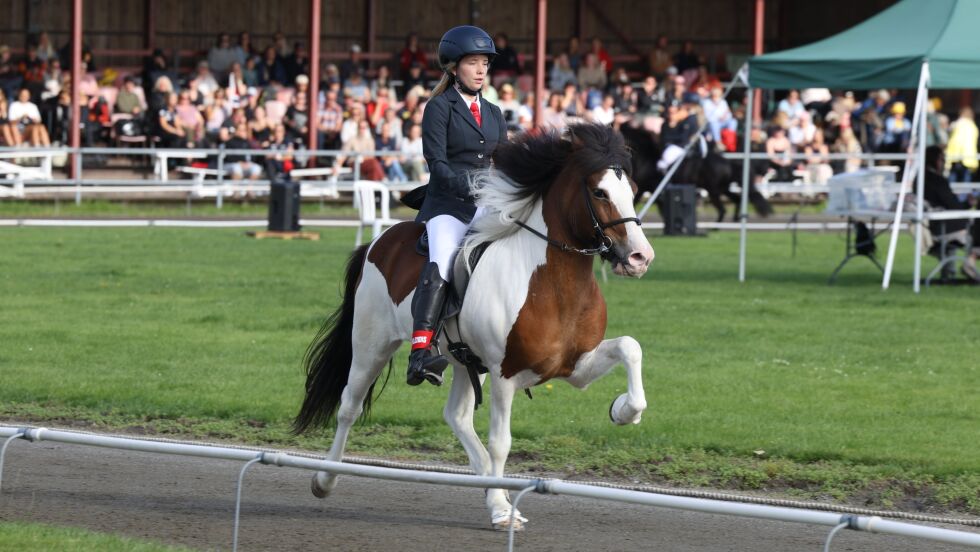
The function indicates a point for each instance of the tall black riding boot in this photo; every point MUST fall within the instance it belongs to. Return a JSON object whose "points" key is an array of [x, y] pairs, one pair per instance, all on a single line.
{"points": [[430, 294]]}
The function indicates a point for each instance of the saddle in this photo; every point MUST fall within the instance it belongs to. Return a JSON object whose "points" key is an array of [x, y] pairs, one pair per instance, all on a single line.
{"points": [[463, 265]]}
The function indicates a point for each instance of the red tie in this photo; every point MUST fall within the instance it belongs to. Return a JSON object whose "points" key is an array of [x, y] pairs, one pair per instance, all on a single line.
{"points": [[475, 110]]}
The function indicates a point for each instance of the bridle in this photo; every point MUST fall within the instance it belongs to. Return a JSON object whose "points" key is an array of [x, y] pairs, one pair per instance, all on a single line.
{"points": [[604, 247]]}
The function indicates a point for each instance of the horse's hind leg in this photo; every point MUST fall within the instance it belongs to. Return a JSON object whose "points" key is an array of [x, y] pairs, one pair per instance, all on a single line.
{"points": [[628, 407], [368, 361], [718, 204]]}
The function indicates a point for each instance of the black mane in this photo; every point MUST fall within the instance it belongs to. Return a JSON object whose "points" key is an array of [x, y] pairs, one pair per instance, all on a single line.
{"points": [[533, 161]]}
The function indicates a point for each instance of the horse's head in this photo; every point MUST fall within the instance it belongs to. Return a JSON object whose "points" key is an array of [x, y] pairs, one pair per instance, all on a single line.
{"points": [[598, 197]]}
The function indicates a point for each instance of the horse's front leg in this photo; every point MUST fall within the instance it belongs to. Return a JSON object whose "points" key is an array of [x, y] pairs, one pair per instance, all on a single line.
{"points": [[502, 397], [628, 407]]}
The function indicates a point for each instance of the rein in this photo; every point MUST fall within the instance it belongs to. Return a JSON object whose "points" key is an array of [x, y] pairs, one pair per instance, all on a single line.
{"points": [[604, 249]]}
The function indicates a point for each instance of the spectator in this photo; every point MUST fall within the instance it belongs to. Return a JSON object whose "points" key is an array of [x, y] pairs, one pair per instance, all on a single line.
{"points": [[574, 52], [45, 50], [604, 113], [272, 69], [509, 106], [32, 68], [298, 63], [362, 142], [592, 75], [355, 87], [625, 96], [297, 118], [961, 152], [191, 120], [411, 53], [391, 118], [818, 158], [792, 106], [571, 102], [241, 165], [169, 128], [678, 87], [676, 133], [414, 79], [391, 163], [280, 161], [415, 167], [216, 113], [331, 121], [59, 115], [204, 81], [8, 128], [52, 80], [222, 55], [898, 130], [779, 149], [561, 73], [237, 90], [939, 195], [720, 120], [259, 128], [409, 107], [10, 78], [553, 116], [651, 99], [687, 59], [352, 65], [128, 101], [660, 58], [27, 117], [847, 142], [281, 46], [525, 113], [376, 108], [355, 115], [154, 68], [605, 61], [507, 64], [383, 81], [244, 49], [250, 72]]}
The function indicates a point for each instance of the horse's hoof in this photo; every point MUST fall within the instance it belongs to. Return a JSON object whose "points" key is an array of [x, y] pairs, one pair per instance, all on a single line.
{"points": [[622, 413], [502, 523], [318, 490]]}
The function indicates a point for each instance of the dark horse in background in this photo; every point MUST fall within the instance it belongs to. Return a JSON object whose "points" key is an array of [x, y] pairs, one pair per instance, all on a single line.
{"points": [[712, 173]]}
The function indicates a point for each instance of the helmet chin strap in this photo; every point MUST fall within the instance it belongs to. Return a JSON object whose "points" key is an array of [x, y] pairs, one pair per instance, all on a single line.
{"points": [[467, 90]]}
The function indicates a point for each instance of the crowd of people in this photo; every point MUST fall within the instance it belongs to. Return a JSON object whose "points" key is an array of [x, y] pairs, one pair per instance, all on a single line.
{"points": [[248, 97]]}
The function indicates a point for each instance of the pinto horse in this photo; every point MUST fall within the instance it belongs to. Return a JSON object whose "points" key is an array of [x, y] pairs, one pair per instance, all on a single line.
{"points": [[712, 173], [533, 310]]}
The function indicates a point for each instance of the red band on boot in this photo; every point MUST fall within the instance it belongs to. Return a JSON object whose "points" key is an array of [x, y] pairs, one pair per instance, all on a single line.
{"points": [[421, 339]]}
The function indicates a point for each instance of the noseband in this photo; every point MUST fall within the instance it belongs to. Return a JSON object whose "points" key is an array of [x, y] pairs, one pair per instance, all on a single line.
{"points": [[604, 247]]}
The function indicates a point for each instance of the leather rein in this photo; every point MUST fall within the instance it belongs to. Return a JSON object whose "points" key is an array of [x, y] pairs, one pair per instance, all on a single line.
{"points": [[604, 247]]}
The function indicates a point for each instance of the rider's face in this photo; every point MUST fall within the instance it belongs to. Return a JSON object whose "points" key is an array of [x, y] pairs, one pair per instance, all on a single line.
{"points": [[472, 71]]}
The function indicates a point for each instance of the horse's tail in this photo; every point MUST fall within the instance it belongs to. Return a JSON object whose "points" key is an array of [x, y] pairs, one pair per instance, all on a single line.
{"points": [[328, 359]]}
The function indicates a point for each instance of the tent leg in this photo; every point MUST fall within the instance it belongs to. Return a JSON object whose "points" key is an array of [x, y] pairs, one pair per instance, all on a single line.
{"points": [[920, 195], [746, 175]]}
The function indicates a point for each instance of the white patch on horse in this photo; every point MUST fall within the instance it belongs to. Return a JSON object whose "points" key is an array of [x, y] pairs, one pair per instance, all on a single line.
{"points": [[621, 196]]}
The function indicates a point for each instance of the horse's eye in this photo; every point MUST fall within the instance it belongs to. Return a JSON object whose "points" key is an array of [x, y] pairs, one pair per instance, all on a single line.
{"points": [[599, 193]]}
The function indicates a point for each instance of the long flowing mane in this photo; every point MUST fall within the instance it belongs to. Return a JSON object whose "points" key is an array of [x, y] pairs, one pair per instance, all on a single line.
{"points": [[526, 168]]}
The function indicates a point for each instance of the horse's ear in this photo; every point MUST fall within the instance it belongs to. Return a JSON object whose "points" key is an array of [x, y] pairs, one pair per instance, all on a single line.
{"points": [[573, 139]]}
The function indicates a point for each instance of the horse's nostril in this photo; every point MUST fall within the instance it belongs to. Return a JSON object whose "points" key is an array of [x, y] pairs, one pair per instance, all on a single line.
{"points": [[638, 258]]}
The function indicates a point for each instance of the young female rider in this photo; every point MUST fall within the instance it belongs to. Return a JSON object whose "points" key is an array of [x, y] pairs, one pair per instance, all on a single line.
{"points": [[460, 131]]}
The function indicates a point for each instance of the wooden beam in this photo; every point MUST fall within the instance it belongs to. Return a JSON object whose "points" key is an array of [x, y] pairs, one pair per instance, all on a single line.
{"points": [[612, 26], [74, 134], [757, 47], [540, 41], [313, 121], [149, 24], [370, 45]]}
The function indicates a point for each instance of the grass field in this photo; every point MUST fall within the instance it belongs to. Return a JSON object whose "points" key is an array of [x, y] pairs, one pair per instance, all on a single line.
{"points": [[782, 383], [31, 537]]}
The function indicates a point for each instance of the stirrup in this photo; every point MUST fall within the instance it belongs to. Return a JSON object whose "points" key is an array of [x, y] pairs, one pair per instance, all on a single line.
{"points": [[428, 368]]}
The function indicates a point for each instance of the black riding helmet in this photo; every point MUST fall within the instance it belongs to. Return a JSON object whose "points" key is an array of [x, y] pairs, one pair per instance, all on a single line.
{"points": [[463, 41]]}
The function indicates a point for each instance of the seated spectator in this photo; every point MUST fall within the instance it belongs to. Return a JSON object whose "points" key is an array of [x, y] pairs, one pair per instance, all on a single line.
{"points": [[573, 50], [244, 49], [298, 63], [330, 123], [280, 161], [222, 55], [507, 64], [190, 117], [779, 149], [272, 69], [45, 49], [604, 113], [241, 165], [32, 68], [603, 57], [898, 130], [352, 119], [377, 107], [162, 89], [128, 101], [216, 113], [411, 53], [383, 82], [561, 73], [362, 142], [298, 117], [353, 64], [792, 106], [392, 163], [250, 72], [169, 128], [391, 117], [625, 96], [415, 167], [204, 81], [847, 142], [525, 114], [10, 78], [720, 119], [651, 99], [260, 130], [592, 75], [414, 79], [25, 114], [818, 158], [571, 103], [961, 151], [355, 86], [8, 129], [154, 67], [509, 106], [409, 107], [237, 91], [53, 78], [553, 116], [939, 195]]}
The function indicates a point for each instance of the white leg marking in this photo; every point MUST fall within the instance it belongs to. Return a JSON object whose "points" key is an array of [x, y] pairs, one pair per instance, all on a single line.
{"points": [[502, 397], [627, 408]]}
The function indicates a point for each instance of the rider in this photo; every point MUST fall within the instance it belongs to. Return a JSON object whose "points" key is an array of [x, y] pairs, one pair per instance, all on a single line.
{"points": [[460, 131]]}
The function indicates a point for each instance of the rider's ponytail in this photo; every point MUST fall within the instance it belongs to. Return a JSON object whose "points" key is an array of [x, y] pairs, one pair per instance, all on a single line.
{"points": [[447, 80]]}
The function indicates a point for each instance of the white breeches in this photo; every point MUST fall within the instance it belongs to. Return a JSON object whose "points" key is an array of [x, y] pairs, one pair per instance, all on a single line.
{"points": [[446, 232], [670, 154]]}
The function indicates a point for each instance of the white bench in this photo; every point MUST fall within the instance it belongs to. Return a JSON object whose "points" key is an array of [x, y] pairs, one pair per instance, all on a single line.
{"points": [[161, 157], [199, 177], [319, 188], [18, 174]]}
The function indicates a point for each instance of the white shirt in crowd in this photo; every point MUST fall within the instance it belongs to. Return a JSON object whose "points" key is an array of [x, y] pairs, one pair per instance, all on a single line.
{"points": [[19, 110], [602, 115], [716, 111], [412, 148]]}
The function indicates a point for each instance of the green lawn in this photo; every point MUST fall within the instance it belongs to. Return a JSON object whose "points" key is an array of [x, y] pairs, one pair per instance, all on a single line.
{"points": [[32, 537], [851, 392]]}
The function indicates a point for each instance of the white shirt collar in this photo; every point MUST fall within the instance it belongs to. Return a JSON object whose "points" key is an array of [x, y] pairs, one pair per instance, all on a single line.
{"points": [[468, 103]]}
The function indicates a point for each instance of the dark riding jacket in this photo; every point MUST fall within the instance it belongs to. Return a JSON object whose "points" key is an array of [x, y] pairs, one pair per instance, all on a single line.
{"points": [[453, 145]]}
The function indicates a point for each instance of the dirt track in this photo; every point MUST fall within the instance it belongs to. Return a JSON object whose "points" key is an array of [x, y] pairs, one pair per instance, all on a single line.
{"points": [[190, 501]]}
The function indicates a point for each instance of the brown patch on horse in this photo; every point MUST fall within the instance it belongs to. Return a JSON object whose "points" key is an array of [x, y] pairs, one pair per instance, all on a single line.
{"points": [[564, 315], [395, 256]]}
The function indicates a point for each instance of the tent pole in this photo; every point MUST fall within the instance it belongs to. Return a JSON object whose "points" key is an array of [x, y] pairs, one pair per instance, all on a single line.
{"points": [[911, 163], [746, 174], [740, 76], [921, 187]]}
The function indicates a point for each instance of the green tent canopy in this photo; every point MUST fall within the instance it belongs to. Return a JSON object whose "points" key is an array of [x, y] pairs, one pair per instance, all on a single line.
{"points": [[885, 51]]}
